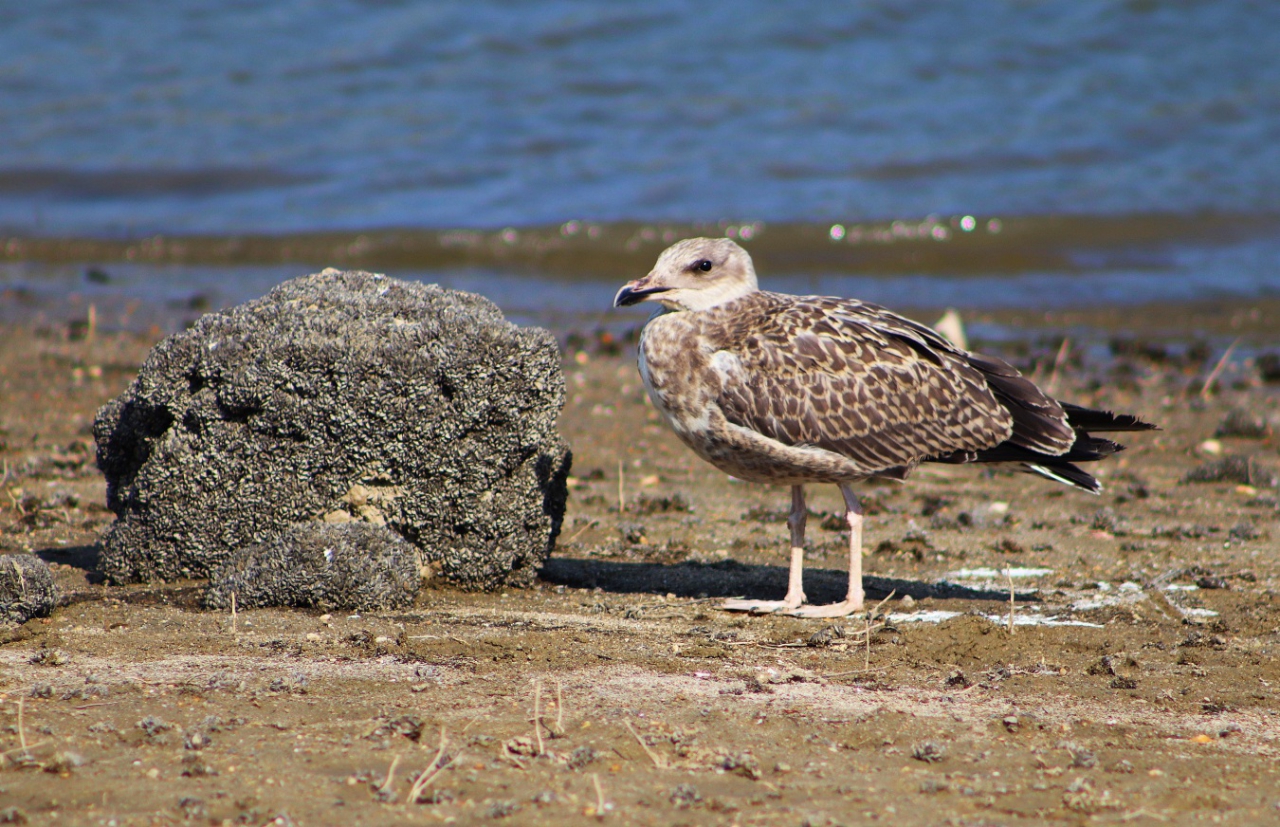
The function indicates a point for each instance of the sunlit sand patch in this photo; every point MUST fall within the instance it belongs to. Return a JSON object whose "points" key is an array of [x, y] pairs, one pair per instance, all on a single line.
{"points": [[939, 615]]}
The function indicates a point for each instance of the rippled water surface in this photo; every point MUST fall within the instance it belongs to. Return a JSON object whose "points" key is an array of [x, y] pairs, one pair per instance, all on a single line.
{"points": [[1127, 150]]}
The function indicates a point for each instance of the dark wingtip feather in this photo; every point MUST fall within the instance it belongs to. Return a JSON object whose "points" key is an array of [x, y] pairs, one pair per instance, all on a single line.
{"points": [[1088, 419], [1066, 473]]}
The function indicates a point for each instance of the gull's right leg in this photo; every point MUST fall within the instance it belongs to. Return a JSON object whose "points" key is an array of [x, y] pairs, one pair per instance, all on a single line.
{"points": [[795, 576]]}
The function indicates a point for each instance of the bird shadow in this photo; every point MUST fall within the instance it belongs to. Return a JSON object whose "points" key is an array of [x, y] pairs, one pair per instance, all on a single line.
{"points": [[730, 578]]}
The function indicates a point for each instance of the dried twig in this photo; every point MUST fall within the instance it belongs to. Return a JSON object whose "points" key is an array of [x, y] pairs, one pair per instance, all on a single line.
{"points": [[622, 501], [1063, 350], [601, 806], [579, 532], [428, 775], [233, 612], [1217, 369], [537, 714], [657, 761], [1009, 574], [385, 788]]}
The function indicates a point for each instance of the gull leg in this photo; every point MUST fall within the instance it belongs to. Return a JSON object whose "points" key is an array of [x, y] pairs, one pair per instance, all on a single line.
{"points": [[795, 576], [853, 602]]}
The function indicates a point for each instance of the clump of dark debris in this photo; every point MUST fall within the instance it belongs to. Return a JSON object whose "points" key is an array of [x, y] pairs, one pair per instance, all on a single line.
{"points": [[1234, 468], [27, 589], [1244, 424]]}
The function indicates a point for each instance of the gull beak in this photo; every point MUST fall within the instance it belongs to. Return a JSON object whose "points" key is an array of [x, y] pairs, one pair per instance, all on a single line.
{"points": [[634, 292]]}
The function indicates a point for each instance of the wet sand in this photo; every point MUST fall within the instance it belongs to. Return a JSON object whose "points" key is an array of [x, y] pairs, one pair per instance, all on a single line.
{"points": [[1138, 684]]}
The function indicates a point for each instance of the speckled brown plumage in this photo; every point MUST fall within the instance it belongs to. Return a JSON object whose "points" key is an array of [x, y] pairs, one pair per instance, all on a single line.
{"points": [[796, 389]]}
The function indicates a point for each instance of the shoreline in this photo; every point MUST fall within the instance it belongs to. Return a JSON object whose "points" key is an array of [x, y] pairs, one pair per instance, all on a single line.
{"points": [[1164, 597]]}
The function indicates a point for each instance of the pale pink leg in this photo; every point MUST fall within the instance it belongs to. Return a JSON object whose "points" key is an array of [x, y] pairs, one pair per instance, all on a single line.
{"points": [[795, 577], [853, 602]]}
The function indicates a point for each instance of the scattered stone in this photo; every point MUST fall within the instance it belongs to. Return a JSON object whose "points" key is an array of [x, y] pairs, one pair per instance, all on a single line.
{"points": [[826, 635], [1105, 666], [63, 762], [632, 533], [1212, 581], [933, 786], [51, 657], [409, 726], [1083, 759], [1120, 682], [192, 808], [928, 752], [155, 729], [340, 397], [1244, 424], [685, 796], [27, 589], [580, 757], [502, 809], [742, 763], [346, 566]]}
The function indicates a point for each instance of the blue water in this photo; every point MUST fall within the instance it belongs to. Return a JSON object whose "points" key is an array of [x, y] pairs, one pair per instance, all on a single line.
{"points": [[138, 117]]}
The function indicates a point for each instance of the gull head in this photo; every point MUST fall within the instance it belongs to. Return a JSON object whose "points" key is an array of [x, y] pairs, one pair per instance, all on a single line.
{"points": [[694, 274]]}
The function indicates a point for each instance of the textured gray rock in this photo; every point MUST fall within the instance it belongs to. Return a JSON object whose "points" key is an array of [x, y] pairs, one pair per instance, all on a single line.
{"points": [[354, 566], [27, 589], [342, 396]]}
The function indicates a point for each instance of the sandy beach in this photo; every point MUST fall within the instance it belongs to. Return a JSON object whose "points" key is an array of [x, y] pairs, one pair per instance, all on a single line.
{"points": [[1137, 683]]}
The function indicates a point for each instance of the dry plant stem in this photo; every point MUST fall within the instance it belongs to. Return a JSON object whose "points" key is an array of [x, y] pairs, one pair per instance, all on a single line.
{"points": [[1217, 369], [579, 532], [657, 762], [537, 714], [559, 707], [22, 735], [622, 502], [1009, 574], [1063, 349], [391, 776], [595, 779], [233, 612], [432, 770]]}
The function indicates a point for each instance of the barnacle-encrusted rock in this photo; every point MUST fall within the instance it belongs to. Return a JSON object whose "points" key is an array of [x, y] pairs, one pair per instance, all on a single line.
{"points": [[338, 397]]}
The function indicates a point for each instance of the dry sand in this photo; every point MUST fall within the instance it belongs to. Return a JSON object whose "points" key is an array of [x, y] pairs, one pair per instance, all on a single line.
{"points": [[1139, 683]]}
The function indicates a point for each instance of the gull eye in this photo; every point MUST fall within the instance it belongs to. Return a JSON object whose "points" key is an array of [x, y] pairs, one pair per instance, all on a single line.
{"points": [[704, 265]]}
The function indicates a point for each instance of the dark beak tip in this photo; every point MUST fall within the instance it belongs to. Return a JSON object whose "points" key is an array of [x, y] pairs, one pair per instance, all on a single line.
{"points": [[628, 296]]}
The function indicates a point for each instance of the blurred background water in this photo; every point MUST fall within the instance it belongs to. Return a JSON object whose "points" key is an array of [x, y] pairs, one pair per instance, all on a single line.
{"points": [[1055, 153]]}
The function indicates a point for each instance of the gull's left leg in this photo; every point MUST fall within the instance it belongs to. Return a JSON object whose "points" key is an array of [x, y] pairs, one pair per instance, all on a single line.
{"points": [[853, 602], [795, 576]]}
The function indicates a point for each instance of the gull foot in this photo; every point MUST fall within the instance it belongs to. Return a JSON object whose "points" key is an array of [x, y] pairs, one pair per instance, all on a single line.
{"points": [[841, 609], [759, 607]]}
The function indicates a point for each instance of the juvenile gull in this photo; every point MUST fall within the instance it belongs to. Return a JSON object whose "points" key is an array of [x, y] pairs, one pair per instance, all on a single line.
{"points": [[786, 389]]}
